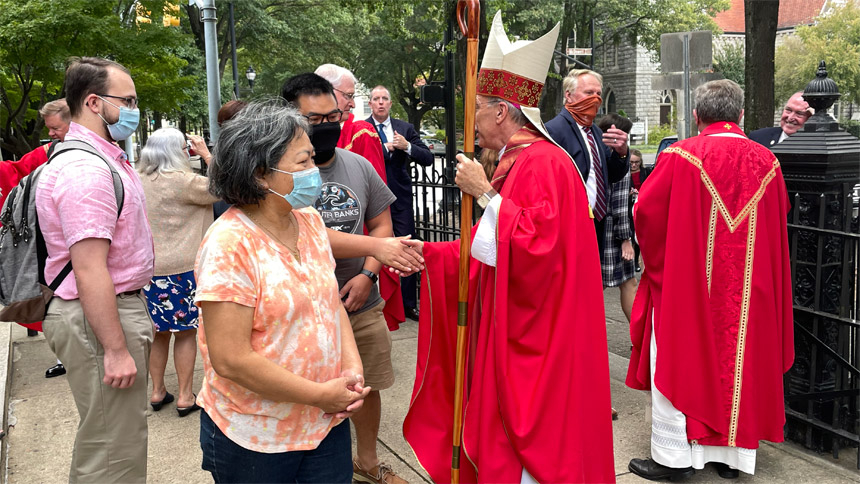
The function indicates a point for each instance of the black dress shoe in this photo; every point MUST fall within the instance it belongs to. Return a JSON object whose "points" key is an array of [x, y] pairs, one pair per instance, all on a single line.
{"points": [[55, 370], [725, 471], [648, 469], [411, 313]]}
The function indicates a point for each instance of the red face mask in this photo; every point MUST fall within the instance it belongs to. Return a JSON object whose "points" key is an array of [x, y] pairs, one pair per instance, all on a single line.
{"points": [[584, 110]]}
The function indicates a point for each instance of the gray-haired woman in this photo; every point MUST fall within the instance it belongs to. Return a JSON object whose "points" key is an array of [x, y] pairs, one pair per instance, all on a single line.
{"points": [[179, 207], [281, 368]]}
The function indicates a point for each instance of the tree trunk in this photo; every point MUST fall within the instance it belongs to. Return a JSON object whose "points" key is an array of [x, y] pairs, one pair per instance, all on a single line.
{"points": [[760, 18]]}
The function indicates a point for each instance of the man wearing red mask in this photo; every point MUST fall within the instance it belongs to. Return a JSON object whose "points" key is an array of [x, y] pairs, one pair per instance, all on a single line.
{"points": [[589, 147]]}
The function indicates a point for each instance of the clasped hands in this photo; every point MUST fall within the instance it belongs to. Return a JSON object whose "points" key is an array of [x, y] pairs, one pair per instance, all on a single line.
{"points": [[343, 396]]}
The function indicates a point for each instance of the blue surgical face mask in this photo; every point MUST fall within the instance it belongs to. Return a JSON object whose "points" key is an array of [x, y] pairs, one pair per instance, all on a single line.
{"points": [[125, 125], [306, 187]]}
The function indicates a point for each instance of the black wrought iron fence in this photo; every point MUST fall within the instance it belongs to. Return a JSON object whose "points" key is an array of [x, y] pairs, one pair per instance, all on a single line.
{"points": [[436, 202], [823, 386]]}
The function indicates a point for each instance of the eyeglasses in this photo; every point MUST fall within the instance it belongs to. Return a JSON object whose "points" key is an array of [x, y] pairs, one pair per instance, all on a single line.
{"points": [[331, 117], [348, 95], [130, 102]]}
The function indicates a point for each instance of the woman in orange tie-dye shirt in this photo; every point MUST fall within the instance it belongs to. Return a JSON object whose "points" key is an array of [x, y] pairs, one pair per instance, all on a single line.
{"points": [[281, 369]]}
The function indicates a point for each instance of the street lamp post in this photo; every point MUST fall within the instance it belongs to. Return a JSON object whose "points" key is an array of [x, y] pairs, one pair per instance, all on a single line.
{"points": [[250, 74]]}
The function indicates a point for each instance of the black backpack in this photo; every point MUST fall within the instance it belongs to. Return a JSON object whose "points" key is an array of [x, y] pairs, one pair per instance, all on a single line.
{"points": [[23, 290]]}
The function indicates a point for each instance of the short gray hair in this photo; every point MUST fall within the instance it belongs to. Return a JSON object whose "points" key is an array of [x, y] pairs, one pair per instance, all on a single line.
{"points": [[721, 100], [249, 146], [58, 106], [334, 74], [572, 78], [164, 152], [515, 113]]}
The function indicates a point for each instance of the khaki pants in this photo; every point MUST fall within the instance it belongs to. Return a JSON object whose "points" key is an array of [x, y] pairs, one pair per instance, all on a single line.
{"points": [[111, 442]]}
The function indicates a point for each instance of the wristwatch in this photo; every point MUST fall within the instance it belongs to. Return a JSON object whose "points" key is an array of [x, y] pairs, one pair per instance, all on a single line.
{"points": [[373, 277], [484, 199]]}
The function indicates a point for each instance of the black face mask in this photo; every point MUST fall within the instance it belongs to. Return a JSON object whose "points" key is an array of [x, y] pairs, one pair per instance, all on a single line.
{"points": [[324, 137]]}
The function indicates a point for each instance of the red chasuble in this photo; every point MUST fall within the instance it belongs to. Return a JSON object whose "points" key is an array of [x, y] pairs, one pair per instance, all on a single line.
{"points": [[711, 223], [11, 172], [538, 381], [361, 138]]}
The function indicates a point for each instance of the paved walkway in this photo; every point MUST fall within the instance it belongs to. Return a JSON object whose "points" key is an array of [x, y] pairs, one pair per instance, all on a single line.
{"points": [[42, 421]]}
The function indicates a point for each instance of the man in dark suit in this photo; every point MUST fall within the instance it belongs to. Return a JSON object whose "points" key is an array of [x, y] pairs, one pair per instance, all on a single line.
{"points": [[400, 145], [589, 147], [794, 116]]}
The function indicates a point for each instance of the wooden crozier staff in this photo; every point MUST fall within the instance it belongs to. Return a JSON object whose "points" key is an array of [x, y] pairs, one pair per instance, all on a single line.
{"points": [[468, 17]]}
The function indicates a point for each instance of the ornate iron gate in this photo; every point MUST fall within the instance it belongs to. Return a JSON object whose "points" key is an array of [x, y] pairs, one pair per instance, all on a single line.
{"points": [[822, 389]]}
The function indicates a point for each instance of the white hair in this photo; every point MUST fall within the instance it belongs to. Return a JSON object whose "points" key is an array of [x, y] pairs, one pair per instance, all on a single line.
{"points": [[164, 152], [334, 74]]}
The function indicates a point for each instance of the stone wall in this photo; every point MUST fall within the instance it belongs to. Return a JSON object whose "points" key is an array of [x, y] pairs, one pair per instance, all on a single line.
{"points": [[627, 72]]}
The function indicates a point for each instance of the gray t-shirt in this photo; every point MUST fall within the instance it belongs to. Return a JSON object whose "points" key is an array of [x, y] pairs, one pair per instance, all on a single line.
{"points": [[352, 193]]}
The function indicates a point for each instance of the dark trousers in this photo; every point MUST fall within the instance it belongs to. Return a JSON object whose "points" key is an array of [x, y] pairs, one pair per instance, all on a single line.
{"points": [[599, 229], [330, 462]]}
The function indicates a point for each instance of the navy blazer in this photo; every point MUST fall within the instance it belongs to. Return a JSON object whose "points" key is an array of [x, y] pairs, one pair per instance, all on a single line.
{"points": [[565, 132], [397, 169], [766, 137]]}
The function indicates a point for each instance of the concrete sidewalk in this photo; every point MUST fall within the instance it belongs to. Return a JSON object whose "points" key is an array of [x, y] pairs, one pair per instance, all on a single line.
{"points": [[42, 422]]}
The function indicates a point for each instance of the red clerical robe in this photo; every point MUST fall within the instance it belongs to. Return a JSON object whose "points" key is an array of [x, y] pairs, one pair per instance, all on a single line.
{"points": [[711, 223], [11, 172], [538, 384], [361, 138]]}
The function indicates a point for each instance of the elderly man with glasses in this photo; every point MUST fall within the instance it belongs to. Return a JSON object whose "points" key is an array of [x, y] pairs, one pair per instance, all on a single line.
{"points": [[353, 197]]}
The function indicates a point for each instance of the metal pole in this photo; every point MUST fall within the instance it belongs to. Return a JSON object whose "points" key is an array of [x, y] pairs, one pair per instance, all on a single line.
{"points": [[450, 99], [592, 45], [687, 106], [233, 45], [213, 80]]}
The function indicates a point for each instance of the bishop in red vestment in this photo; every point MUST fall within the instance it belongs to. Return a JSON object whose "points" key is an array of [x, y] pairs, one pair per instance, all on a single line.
{"points": [[712, 321], [537, 386]]}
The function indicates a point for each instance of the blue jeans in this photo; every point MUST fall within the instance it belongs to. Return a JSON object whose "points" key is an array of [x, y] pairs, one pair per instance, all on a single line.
{"points": [[331, 462]]}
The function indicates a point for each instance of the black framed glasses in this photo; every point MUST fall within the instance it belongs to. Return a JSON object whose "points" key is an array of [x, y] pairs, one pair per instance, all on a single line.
{"points": [[330, 117], [348, 95], [130, 102]]}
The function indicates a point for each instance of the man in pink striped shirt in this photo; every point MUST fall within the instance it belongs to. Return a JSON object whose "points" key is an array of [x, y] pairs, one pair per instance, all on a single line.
{"points": [[97, 322]]}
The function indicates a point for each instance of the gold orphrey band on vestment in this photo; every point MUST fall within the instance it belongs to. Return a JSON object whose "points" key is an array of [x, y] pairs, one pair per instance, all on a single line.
{"points": [[712, 235], [742, 328]]}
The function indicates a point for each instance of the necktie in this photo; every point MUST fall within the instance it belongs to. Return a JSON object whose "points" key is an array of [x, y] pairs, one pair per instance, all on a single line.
{"points": [[380, 128], [600, 202]]}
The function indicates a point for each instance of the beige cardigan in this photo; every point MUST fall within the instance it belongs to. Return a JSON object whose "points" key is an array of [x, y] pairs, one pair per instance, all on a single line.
{"points": [[179, 208]]}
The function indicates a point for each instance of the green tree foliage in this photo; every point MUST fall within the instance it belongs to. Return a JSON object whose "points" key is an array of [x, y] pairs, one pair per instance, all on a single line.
{"points": [[38, 37], [402, 46], [729, 61], [835, 39]]}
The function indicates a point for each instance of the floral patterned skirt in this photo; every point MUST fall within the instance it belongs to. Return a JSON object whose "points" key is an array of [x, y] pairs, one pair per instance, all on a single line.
{"points": [[170, 300]]}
